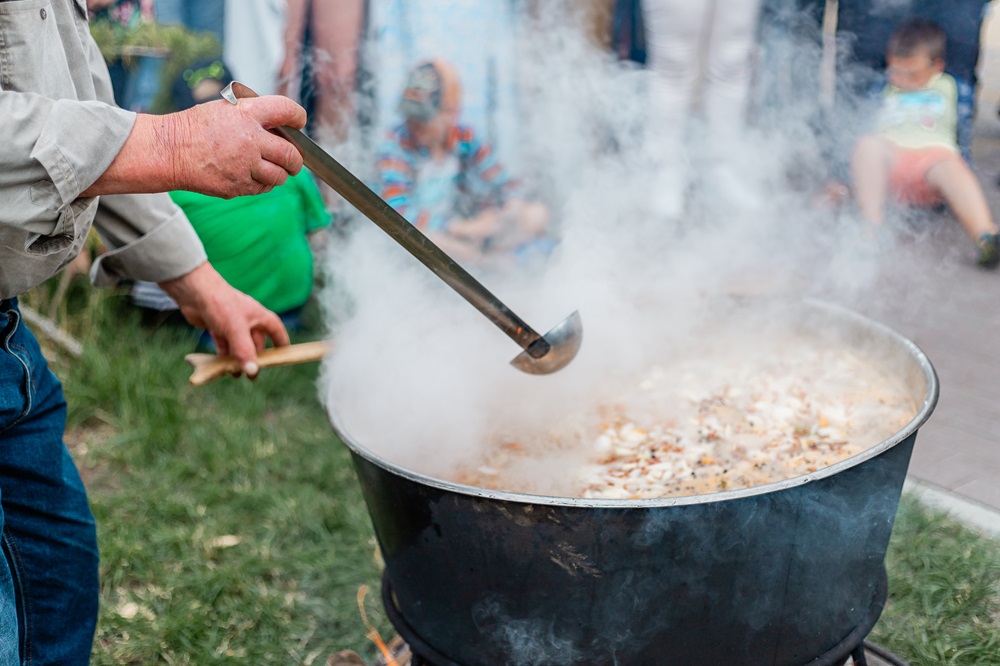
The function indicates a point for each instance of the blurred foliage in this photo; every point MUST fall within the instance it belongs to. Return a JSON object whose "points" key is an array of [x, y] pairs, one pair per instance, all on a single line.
{"points": [[178, 46]]}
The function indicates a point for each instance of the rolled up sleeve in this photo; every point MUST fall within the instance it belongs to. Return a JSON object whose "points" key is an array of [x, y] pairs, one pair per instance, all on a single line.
{"points": [[61, 130], [149, 238], [55, 150], [78, 142]]}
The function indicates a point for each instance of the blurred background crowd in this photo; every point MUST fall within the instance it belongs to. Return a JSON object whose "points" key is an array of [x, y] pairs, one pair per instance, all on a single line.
{"points": [[429, 102]]}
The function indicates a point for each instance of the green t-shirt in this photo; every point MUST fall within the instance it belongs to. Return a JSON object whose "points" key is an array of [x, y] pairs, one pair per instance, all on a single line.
{"points": [[259, 243], [921, 118]]}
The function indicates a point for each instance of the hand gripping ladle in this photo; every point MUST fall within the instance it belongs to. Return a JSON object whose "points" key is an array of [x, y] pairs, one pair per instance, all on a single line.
{"points": [[541, 355]]}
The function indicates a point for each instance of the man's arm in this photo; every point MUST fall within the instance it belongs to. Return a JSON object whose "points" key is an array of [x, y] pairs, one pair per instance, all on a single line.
{"points": [[218, 149], [215, 148], [485, 176], [395, 180]]}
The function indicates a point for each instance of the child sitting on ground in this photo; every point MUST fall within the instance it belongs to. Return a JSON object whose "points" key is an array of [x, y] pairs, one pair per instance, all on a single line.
{"points": [[913, 153], [438, 175]]}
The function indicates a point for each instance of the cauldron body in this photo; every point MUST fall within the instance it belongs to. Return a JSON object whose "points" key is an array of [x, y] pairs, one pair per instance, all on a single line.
{"points": [[775, 574]]}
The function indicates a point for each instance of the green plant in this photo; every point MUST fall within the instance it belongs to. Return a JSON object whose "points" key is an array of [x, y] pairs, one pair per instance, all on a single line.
{"points": [[178, 46]]}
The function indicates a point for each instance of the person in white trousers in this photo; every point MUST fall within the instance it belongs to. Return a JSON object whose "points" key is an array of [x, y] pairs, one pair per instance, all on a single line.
{"points": [[701, 56], [255, 47]]}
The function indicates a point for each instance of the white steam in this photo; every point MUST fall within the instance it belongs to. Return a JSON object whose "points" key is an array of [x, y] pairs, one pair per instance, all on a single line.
{"points": [[421, 378]]}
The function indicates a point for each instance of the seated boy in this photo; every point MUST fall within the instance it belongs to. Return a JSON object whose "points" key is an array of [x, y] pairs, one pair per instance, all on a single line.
{"points": [[913, 154], [438, 175]]}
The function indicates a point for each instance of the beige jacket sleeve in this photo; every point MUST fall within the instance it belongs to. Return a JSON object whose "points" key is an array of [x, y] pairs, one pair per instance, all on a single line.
{"points": [[148, 235], [61, 130]]}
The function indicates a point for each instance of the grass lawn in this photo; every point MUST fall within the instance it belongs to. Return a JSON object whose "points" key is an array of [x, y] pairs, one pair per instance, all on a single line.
{"points": [[944, 591], [232, 530], [231, 527]]}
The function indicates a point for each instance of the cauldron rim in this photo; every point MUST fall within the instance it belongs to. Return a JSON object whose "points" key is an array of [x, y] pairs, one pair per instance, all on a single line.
{"points": [[911, 348]]}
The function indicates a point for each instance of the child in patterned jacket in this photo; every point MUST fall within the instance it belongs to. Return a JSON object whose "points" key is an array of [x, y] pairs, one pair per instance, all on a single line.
{"points": [[436, 173]]}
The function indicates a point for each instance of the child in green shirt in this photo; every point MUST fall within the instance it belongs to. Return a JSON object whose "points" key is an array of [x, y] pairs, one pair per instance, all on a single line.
{"points": [[260, 244]]}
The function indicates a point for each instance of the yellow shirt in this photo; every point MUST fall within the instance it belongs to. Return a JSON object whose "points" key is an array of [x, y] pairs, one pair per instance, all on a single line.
{"points": [[922, 118]]}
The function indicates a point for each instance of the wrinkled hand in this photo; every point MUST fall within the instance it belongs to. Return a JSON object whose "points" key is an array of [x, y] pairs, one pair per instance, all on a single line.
{"points": [[215, 148], [226, 150], [239, 325]]}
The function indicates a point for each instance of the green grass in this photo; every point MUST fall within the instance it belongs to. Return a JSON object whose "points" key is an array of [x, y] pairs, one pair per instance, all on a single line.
{"points": [[231, 526], [232, 529], [944, 591]]}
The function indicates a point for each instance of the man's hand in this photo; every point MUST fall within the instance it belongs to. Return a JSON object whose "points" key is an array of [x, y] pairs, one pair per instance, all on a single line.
{"points": [[215, 148], [228, 154], [239, 325]]}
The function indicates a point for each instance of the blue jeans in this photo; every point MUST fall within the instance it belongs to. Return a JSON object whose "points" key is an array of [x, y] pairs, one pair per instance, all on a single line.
{"points": [[48, 573]]}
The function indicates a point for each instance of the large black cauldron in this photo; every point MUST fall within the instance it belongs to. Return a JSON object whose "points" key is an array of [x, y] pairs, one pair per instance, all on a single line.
{"points": [[775, 575]]}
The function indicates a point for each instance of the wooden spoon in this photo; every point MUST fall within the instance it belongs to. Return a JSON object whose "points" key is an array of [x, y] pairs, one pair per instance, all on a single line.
{"points": [[209, 367]]}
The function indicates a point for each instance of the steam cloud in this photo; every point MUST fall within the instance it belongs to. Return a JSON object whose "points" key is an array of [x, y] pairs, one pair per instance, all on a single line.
{"points": [[422, 379]]}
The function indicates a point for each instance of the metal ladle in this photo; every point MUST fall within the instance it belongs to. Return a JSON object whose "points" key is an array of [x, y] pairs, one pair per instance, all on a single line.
{"points": [[542, 354]]}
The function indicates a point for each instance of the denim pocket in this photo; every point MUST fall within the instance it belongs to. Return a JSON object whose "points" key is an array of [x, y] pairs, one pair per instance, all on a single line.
{"points": [[15, 375]]}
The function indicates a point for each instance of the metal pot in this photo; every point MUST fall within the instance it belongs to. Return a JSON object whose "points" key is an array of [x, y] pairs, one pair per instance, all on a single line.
{"points": [[775, 574]]}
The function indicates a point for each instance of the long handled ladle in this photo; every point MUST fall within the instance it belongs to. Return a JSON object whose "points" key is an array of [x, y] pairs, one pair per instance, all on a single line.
{"points": [[541, 355]]}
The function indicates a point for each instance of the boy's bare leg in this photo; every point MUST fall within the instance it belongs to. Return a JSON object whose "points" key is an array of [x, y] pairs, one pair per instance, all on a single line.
{"points": [[476, 229], [336, 37], [964, 195], [532, 219], [870, 167], [460, 249], [524, 221]]}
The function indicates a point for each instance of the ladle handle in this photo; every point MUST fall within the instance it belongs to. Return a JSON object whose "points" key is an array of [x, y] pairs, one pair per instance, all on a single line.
{"points": [[359, 195]]}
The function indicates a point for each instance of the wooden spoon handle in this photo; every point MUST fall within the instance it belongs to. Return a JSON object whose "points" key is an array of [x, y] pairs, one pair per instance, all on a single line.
{"points": [[209, 367]]}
